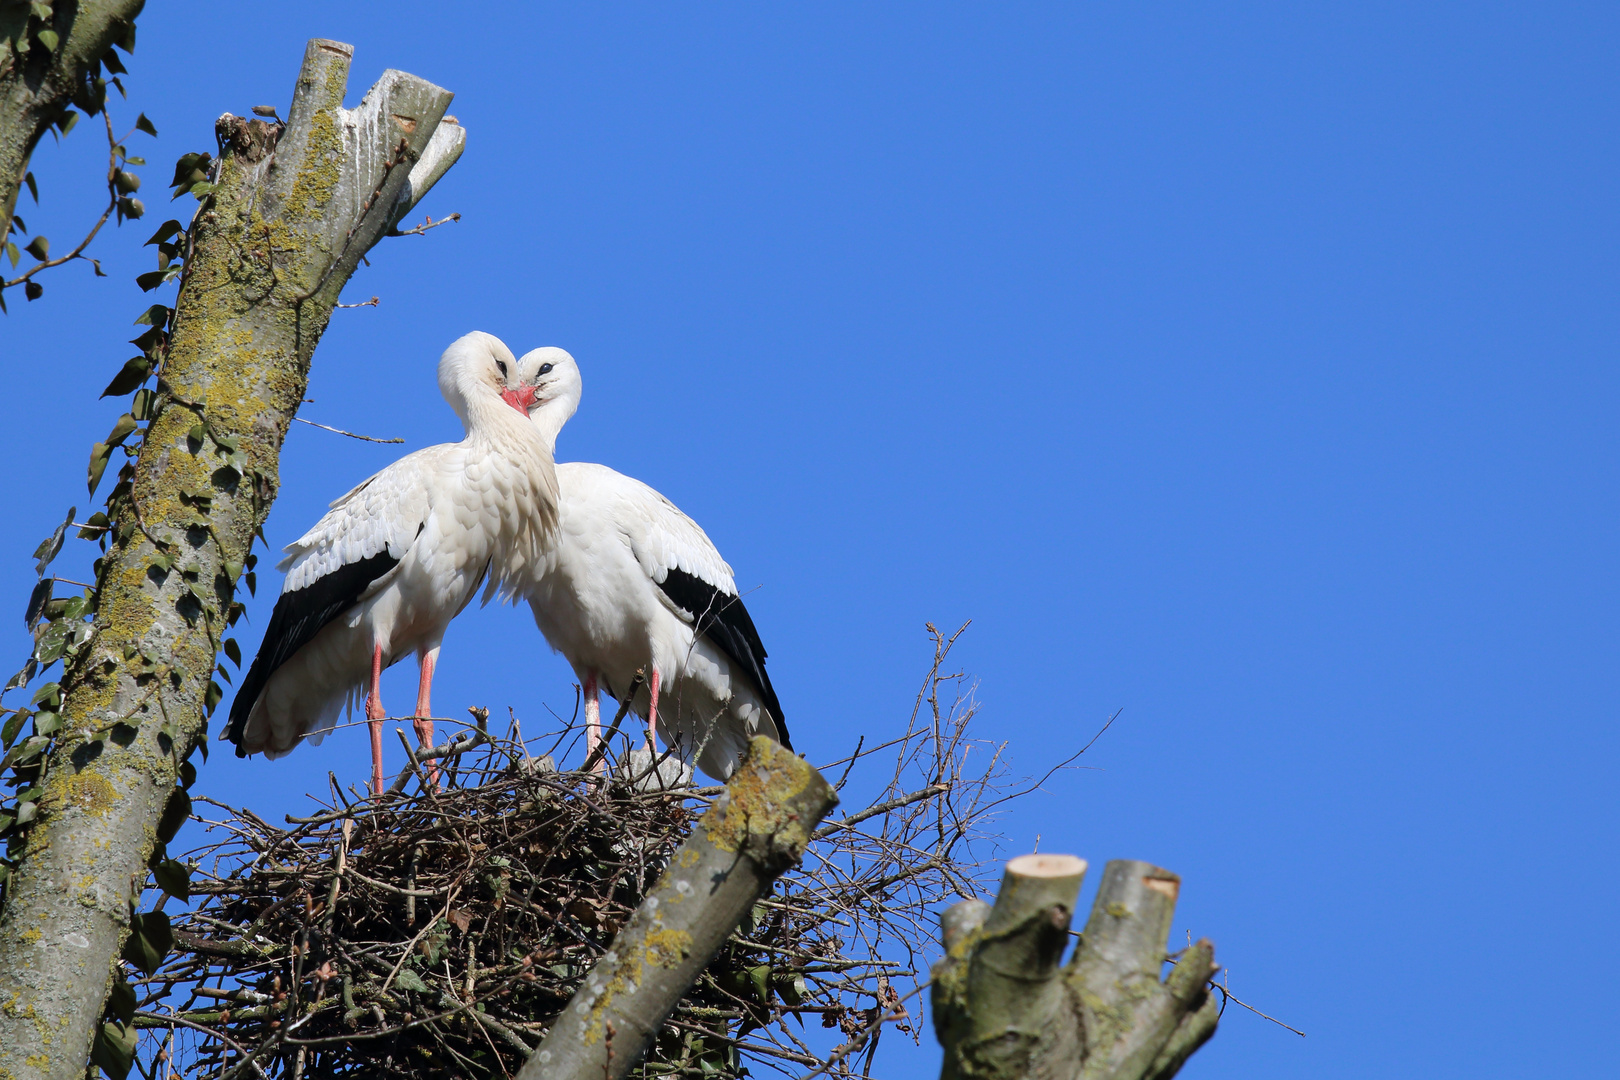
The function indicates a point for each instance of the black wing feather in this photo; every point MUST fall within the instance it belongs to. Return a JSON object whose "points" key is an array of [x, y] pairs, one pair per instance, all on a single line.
{"points": [[298, 616], [722, 618]]}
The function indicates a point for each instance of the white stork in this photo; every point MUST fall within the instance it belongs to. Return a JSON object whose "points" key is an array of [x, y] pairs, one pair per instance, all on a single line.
{"points": [[394, 560], [633, 584]]}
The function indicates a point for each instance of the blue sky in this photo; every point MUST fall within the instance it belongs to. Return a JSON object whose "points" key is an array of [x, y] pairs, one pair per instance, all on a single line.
{"points": [[1248, 370]]}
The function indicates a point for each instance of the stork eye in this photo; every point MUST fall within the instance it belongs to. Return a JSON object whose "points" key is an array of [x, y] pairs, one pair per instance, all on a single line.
{"points": [[502, 365], [544, 368]]}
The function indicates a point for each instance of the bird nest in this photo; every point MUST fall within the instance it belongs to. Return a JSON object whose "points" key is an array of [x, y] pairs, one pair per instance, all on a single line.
{"points": [[438, 931]]}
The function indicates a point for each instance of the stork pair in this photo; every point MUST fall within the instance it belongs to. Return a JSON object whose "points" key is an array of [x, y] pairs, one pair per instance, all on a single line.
{"points": [[629, 589]]}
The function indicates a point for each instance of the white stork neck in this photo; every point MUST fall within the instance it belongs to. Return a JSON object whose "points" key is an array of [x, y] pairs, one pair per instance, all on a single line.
{"points": [[492, 420], [549, 418]]}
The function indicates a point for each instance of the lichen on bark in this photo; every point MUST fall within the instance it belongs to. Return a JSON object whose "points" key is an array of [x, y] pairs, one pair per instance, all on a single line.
{"points": [[291, 213]]}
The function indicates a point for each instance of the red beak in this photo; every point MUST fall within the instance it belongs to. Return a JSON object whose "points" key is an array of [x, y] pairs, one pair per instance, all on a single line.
{"points": [[521, 399]]}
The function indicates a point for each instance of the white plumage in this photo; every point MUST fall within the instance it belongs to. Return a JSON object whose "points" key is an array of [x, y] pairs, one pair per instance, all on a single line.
{"points": [[632, 584], [383, 573]]}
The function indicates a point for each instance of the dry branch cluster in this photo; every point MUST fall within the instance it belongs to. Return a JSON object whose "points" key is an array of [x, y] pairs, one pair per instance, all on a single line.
{"points": [[437, 933]]}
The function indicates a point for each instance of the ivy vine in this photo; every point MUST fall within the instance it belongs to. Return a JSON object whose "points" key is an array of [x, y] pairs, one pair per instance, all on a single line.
{"points": [[28, 27], [63, 627]]}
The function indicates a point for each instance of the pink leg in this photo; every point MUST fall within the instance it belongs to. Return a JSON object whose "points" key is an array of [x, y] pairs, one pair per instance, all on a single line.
{"points": [[375, 714], [652, 712], [423, 721], [593, 719]]}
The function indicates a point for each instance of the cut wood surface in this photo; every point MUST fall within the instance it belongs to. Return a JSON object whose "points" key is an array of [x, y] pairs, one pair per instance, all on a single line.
{"points": [[1005, 1009]]}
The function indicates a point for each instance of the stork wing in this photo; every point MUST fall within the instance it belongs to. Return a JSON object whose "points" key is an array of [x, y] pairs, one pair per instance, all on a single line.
{"points": [[337, 563], [683, 562]]}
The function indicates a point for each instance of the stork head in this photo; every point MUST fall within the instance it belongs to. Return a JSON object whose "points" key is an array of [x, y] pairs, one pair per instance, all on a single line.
{"points": [[551, 378], [479, 368]]}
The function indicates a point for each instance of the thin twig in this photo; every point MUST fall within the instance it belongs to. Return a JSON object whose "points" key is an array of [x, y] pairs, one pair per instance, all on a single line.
{"points": [[340, 431], [1228, 995], [425, 226]]}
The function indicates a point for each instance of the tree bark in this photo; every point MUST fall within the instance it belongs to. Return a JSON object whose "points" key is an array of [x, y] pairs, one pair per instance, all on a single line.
{"points": [[1003, 1008], [754, 831], [36, 85], [292, 213]]}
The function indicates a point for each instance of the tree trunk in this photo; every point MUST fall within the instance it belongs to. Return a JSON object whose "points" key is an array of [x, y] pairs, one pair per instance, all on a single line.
{"points": [[293, 211], [755, 831], [36, 85], [1003, 1009]]}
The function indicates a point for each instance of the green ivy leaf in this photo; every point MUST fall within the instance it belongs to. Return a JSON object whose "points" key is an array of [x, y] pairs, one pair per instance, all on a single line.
{"points": [[49, 38], [792, 987], [8, 734], [39, 247], [174, 878], [150, 342], [51, 545], [154, 316], [150, 939], [33, 188], [121, 1001], [13, 253], [126, 182], [167, 229], [52, 643], [100, 454], [92, 533], [760, 978], [143, 124], [122, 430], [212, 698], [132, 374], [410, 980], [114, 1050], [175, 813], [37, 601]]}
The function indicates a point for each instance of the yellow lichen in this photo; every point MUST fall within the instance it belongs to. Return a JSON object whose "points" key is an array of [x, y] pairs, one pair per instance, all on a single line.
{"points": [[660, 947], [759, 796], [88, 791], [313, 186]]}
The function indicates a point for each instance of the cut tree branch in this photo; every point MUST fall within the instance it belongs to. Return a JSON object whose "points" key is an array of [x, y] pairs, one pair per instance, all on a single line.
{"points": [[758, 828], [292, 212], [1003, 1009]]}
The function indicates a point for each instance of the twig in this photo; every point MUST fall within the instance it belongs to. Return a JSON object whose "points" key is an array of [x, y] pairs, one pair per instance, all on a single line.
{"points": [[881, 808], [340, 431], [1227, 995], [425, 226], [364, 303], [112, 204]]}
